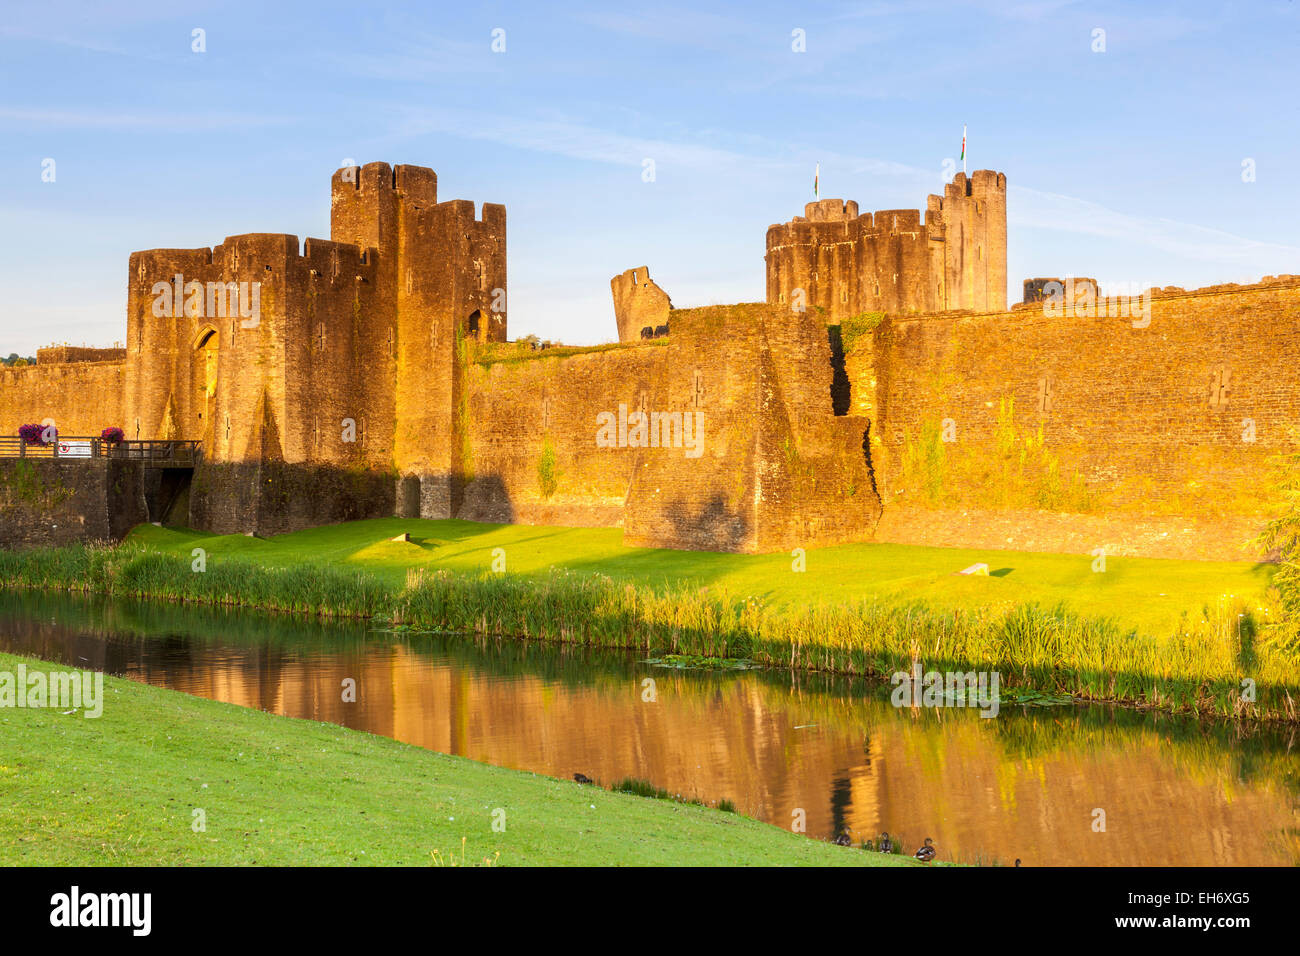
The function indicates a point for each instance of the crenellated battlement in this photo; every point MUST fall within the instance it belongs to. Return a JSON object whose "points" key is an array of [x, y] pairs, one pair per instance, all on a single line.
{"points": [[952, 256], [831, 210], [840, 219], [415, 183], [325, 257], [981, 183]]}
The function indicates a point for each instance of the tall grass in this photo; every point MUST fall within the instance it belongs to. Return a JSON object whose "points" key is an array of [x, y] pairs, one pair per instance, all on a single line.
{"points": [[1198, 668], [133, 572]]}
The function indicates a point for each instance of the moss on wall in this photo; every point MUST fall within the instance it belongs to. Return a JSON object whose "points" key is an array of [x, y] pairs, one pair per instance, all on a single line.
{"points": [[1017, 471], [22, 485], [855, 327]]}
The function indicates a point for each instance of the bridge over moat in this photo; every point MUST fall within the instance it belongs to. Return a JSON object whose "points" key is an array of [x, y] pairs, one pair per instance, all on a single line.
{"points": [[152, 454], [83, 488]]}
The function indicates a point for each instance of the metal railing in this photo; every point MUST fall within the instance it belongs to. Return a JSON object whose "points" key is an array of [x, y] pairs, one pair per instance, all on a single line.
{"points": [[160, 454]]}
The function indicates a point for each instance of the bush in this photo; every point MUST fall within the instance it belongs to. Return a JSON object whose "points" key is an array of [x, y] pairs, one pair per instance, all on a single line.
{"points": [[547, 480], [112, 435]]}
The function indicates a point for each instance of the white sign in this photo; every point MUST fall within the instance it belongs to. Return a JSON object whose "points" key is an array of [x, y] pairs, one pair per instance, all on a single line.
{"points": [[74, 449]]}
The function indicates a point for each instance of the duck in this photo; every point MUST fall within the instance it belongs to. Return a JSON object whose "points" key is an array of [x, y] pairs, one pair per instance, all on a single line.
{"points": [[842, 839], [1017, 861], [886, 845], [581, 778], [926, 853]]}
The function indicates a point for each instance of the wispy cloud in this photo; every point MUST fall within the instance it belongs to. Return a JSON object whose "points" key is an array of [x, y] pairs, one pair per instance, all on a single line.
{"points": [[715, 151], [70, 119], [1029, 208], [680, 26], [422, 57], [78, 43], [574, 140], [1036, 209]]}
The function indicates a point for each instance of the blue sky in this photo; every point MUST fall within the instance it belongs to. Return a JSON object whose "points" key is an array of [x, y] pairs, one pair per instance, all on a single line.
{"points": [[1124, 164]]}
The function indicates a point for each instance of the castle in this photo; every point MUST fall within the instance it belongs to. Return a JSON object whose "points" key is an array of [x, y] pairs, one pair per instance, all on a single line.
{"points": [[883, 390]]}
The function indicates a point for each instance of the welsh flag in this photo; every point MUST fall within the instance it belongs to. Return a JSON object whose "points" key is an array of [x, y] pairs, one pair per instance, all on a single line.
{"points": [[963, 142], [817, 175]]}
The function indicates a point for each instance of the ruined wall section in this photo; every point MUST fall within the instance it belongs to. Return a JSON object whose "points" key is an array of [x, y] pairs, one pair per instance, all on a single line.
{"points": [[814, 477], [639, 303], [778, 469], [709, 502]]}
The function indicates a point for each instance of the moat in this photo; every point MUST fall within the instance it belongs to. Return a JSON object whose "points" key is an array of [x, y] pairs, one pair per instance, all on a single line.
{"points": [[1027, 784]]}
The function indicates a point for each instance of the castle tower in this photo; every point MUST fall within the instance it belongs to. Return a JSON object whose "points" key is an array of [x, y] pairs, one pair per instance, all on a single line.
{"points": [[441, 277], [838, 262], [974, 214]]}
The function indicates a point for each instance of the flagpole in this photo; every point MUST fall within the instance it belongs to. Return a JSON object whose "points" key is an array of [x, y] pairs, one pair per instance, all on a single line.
{"points": [[963, 148]]}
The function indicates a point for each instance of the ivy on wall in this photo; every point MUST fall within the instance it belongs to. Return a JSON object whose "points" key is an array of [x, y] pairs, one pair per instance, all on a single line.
{"points": [[547, 474]]}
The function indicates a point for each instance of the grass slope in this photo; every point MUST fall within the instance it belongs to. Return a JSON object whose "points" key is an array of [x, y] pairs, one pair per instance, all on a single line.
{"points": [[120, 790], [1149, 594]]}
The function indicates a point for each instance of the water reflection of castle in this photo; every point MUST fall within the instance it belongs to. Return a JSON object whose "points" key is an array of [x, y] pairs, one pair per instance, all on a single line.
{"points": [[1025, 788]]}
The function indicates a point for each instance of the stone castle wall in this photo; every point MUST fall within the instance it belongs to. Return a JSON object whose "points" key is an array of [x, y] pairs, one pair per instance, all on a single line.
{"points": [[49, 502], [1177, 418], [524, 413], [778, 469], [81, 398]]}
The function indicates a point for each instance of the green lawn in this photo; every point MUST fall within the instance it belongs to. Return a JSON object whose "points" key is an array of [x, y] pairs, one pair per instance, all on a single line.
{"points": [[1148, 593], [121, 790]]}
